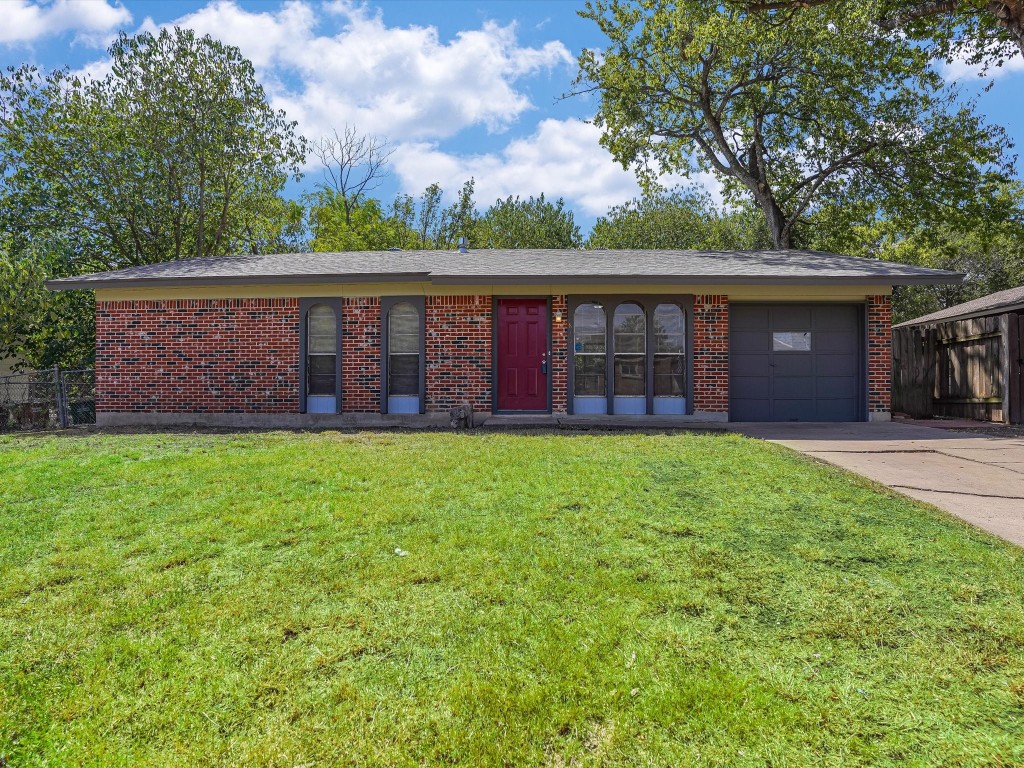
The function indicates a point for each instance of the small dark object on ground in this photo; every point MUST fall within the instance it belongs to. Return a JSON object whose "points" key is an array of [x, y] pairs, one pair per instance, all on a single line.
{"points": [[461, 416]]}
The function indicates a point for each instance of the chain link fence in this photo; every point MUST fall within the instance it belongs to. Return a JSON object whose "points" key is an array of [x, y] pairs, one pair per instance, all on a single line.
{"points": [[49, 399]]}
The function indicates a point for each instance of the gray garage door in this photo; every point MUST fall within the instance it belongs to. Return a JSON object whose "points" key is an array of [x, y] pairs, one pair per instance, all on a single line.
{"points": [[796, 362]]}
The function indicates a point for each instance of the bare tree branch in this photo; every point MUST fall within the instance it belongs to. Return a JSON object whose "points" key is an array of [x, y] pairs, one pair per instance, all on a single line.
{"points": [[354, 164]]}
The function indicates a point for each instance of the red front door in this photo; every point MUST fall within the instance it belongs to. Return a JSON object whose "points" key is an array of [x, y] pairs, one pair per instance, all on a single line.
{"points": [[522, 354]]}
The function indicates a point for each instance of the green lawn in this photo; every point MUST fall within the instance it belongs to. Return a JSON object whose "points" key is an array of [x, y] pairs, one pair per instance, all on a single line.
{"points": [[669, 600]]}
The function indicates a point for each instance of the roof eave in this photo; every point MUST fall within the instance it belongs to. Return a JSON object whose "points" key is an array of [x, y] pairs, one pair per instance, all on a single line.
{"points": [[75, 284], [876, 280], [83, 283], [1001, 310]]}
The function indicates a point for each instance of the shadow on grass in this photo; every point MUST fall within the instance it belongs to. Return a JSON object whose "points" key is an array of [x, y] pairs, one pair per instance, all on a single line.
{"points": [[602, 430]]}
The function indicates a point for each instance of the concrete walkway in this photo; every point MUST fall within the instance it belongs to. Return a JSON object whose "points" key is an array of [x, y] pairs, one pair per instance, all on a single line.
{"points": [[978, 478]]}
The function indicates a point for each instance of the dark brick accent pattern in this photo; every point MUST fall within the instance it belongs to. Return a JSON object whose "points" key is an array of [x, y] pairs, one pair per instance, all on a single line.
{"points": [[360, 354], [198, 356], [879, 354], [458, 346], [241, 355], [711, 353], [559, 363]]}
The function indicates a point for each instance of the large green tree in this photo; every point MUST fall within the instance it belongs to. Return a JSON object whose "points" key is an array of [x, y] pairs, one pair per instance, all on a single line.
{"points": [[174, 153], [429, 223], [531, 223], [338, 224], [820, 106], [680, 218]]}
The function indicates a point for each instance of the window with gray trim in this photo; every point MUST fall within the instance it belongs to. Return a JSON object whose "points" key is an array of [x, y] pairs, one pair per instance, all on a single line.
{"points": [[321, 350], [629, 329], [669, 351], [404, 350], [590, 347], [403, 354]]}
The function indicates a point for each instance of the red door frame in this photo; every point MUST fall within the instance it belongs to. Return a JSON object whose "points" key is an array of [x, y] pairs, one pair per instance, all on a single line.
{"points": [[541, 401]]}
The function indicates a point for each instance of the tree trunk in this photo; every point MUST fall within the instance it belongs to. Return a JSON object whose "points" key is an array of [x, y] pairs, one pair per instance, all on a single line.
{"points": [[1011, 18], [782, 235]]}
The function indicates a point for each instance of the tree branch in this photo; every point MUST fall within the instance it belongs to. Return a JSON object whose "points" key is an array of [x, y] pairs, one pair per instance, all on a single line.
{"points": [[892, 23], [785, 5]]}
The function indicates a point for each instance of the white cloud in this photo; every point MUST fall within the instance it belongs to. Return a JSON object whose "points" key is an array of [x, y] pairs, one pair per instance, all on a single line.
{"points": [[960, 69], [562, 159], [401, 82], [95, 70], [26, 22]]}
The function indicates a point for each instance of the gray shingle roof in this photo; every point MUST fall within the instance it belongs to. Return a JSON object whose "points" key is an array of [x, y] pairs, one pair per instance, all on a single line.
{"points": [[993, 304], [518, 266]]}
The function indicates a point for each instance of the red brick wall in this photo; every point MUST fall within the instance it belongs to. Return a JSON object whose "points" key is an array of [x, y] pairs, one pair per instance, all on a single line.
{"points": [[559, 363], [458, 346], [198, 356], [879, 354], [711, 353], [360, 354]]}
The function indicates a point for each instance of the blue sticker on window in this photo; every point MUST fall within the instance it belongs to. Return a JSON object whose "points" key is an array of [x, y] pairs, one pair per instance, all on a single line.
{"points": [[578, 347]]}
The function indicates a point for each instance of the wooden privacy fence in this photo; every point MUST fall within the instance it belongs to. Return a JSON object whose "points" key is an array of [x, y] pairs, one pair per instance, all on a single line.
{"points": [[959, 369], [913, 371]]}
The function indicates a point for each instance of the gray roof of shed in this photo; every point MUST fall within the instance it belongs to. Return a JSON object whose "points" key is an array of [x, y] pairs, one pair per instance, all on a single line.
{"points": [[518, 266], [993, 304]]}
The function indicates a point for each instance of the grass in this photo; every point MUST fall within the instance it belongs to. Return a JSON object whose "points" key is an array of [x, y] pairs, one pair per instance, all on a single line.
{"points": [[588, 600]]}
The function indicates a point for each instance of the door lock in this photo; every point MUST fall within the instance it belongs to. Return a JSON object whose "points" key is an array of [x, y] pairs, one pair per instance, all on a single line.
{"points": [[544, 363]]}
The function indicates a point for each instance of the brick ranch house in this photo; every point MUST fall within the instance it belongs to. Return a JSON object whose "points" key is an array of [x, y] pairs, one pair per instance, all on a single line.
{"points": [[337, 339]]}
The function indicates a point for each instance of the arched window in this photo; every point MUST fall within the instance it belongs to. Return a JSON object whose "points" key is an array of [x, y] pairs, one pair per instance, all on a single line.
{"points": [[629, 325], [321, 359], [590, 349], [669, 359], [403, 361]]}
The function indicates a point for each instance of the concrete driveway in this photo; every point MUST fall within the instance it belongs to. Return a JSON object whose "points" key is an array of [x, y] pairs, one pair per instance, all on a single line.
{"points": [[976, 477]]}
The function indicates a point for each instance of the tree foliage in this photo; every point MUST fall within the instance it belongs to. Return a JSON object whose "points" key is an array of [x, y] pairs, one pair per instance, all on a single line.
{"points": [[680, 218], [989, 253], [820, 106], [337, 226], [40, 329], [175, 153], [531, 223], [982, 31], [408, 224]]}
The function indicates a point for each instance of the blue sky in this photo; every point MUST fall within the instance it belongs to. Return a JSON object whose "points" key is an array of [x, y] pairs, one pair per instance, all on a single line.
{"points": [[460, 88]]}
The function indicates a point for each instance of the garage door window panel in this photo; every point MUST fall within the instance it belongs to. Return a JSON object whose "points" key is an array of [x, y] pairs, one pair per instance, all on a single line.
{"points": [[791, 341]]}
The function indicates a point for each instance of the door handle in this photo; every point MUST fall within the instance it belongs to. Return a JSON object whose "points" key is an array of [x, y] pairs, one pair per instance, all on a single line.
{"points": [[544, 363]]}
